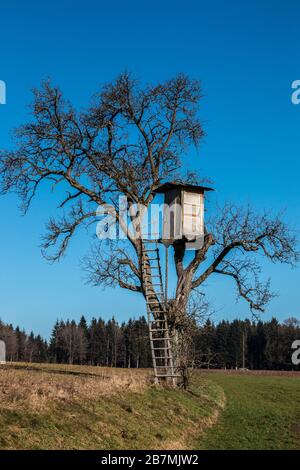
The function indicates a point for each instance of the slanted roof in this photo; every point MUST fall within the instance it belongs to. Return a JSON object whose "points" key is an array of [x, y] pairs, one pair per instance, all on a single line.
{"points": [[178, 185]]}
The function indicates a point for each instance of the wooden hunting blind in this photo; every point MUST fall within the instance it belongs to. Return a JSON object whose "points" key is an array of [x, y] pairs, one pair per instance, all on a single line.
{"points": [[183, 215]]}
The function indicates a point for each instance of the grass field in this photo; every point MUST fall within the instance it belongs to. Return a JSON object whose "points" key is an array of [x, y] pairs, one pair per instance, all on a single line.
{"points": [[79, 407], [262, 412]]}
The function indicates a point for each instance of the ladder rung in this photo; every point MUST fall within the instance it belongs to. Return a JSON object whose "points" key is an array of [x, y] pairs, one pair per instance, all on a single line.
{"points": [[158, 330], [163, 357], [167, 375], [164, 367], [154, 292], [160, 339], [156, 349], [160, 321]]}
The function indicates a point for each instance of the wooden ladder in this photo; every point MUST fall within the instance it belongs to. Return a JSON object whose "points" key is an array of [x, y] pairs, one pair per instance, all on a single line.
{"points": [[160, 341]]}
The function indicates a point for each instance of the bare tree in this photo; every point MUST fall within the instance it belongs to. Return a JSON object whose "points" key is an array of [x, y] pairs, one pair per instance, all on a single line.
{"points": [[72, 338], [128, 142]]}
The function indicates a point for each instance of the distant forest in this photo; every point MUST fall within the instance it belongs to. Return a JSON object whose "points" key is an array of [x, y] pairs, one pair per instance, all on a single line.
{"points": [[259, 345]]}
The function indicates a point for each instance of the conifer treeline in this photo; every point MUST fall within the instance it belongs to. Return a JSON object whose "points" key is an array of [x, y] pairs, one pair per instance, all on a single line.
{"points": [[260, 345]]}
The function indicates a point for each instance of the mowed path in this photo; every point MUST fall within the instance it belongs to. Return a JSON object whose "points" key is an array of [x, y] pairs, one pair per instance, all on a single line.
{"points": [[261, 412]]}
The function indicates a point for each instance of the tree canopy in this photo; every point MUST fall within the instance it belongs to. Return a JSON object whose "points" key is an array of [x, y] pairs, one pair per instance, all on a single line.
{"points": [[128, 142]]}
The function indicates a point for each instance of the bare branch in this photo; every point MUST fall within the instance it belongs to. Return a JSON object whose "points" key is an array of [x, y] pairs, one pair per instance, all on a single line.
{"points": [[61, 231], [109, 264], [237, 232]]}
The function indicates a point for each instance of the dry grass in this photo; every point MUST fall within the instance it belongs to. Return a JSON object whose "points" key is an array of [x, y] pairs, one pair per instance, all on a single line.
{"points": [[40, 385]]}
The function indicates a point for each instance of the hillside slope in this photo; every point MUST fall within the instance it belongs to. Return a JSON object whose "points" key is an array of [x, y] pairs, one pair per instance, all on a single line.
{"points": [[79, 407]]}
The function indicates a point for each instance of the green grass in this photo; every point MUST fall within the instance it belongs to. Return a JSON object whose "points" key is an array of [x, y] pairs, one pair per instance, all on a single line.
{"points": [[260, 413]]}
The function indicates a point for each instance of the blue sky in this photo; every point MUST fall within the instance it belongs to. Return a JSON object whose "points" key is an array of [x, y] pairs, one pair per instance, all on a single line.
{"points": [[246, 55]]}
